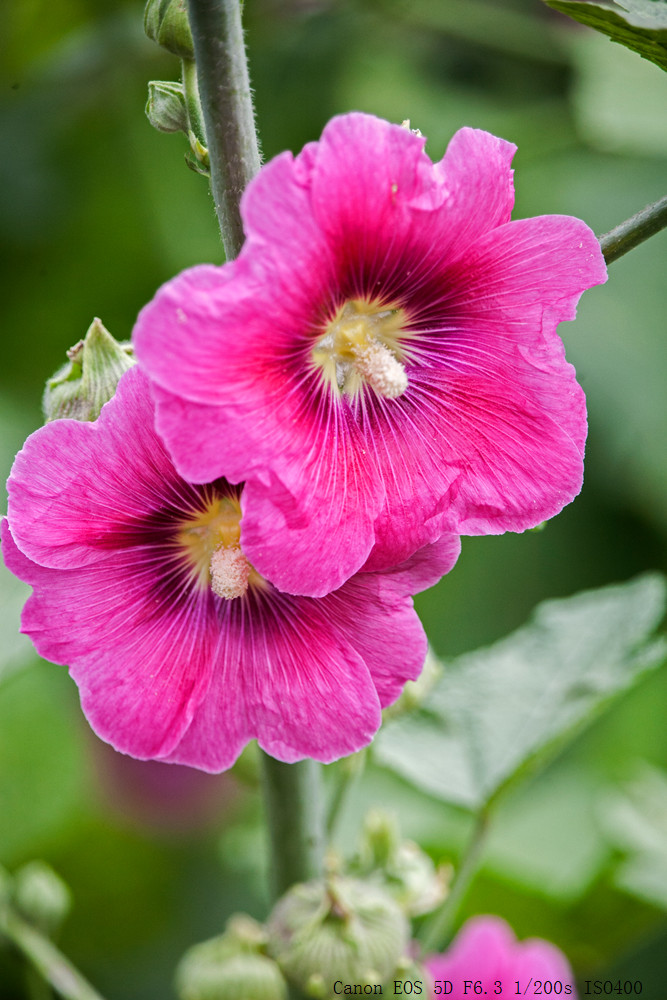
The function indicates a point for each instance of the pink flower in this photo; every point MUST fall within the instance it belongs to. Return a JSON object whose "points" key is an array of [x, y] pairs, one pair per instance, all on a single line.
{"points": [[380, 365], [182, 651], [486, 950]]}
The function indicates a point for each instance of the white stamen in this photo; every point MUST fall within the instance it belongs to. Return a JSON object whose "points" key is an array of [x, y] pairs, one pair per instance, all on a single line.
{"points": [[230, 571], [381, 369]]}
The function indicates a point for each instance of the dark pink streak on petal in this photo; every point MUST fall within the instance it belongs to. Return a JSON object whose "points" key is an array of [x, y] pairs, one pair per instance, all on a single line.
{"points": [[285, 676]]}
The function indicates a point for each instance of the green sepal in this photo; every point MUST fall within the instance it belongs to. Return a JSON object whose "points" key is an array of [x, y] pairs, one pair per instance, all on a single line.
{"points": [[88, 380]]}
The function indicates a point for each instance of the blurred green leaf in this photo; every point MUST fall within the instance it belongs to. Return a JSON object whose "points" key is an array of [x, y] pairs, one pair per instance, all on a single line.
{"points": [[42, 770], [637, 822], [620, 101], [497, 709], [640, 25]]}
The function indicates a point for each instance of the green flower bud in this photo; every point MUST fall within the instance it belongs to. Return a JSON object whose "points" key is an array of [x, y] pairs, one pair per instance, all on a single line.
{"points": [[231, 966], [82, 386], [241, 977], [41, 896], [406, 872], [166, 22], [209, 971], [340, 929], [165, 108]]}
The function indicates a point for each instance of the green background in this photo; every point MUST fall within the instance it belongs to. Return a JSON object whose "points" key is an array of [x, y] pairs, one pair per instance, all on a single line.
{"points": [[96, 210]]}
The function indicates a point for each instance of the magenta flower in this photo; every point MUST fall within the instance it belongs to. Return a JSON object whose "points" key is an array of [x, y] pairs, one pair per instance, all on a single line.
{"points": [[486, 950], [181, 649], [381, 364]]}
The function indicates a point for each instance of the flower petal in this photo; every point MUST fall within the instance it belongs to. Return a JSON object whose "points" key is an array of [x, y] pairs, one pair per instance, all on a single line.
{"points": [[142, 665], [287, 678]]}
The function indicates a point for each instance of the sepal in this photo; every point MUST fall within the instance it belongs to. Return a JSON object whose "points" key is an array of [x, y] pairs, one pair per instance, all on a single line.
{"points": [[81, 387]]}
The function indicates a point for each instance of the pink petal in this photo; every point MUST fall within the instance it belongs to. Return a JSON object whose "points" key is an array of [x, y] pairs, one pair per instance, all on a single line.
{"points": [[142, 665], [69, 498], [287, 678]]}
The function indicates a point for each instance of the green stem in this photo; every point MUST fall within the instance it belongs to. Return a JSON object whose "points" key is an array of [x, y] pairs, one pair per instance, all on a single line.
{"points": [[45, 957], [634, 231], [192, 100], [294, 815], [348, 772], [438, 929], [224, 88]]}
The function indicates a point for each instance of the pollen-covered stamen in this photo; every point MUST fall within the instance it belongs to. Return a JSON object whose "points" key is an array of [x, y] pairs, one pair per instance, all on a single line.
{"points": [[230, 572], [382, 370], [362, 343], [211, 542]]}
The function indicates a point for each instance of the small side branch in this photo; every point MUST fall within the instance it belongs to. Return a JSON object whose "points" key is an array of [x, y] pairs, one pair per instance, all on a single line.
{"points": [[634, 231]]}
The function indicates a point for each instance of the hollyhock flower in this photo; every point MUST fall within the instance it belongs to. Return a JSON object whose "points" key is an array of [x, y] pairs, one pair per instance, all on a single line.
{"points": [[380, 364], [486, 950], [181, 649]]}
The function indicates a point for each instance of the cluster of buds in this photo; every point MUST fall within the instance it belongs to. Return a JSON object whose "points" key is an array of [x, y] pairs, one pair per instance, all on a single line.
{"points": [[171, 106], [351, 927]]}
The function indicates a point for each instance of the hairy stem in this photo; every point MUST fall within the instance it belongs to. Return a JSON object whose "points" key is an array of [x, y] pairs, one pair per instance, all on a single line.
{"points": [[438, 929], [226, 101], [45, 957], [634, 231], [294, 815]]}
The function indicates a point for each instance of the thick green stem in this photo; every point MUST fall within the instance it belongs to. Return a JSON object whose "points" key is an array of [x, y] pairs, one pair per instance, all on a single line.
{"points": [[45, 957], [634, 231], [294, 815], [438, 929], [226, 101]]}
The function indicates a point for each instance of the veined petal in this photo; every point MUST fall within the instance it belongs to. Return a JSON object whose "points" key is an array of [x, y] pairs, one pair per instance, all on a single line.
{"points": [[142, 666]]}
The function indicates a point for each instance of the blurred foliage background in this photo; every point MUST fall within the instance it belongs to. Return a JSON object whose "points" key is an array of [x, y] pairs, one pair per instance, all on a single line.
{"points": [[96, 210]]}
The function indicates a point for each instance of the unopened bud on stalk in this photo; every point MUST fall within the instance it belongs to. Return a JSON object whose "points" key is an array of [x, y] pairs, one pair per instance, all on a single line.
{"points": [[231, 966], [165, 108], [407, 873], [340, 929], [166, 22], [82, 386], [41, 896]]}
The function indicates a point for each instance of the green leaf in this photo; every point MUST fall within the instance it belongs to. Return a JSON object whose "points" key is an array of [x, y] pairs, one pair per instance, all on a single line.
{"points": [[498, 709], [640, 25], [637, 823]]}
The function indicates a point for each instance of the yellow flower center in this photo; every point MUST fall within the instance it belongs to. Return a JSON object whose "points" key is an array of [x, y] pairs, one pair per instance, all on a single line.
{"points": [[362, 343], [211, 539]]}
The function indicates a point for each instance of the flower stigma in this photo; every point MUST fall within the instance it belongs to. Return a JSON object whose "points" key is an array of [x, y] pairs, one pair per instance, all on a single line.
{"points": [[211, 539], [362, 344]]}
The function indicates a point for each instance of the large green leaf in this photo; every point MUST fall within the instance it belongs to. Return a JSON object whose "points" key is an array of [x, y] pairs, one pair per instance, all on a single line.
{"points": [[640, 25], [495, 710]]}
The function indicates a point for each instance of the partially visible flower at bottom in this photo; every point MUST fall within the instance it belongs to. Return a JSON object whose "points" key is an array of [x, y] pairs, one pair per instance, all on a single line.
{"points": [[487, 951], [182, 652]]}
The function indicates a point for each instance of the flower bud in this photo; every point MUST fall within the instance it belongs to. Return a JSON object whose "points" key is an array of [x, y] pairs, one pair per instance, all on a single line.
{"points": [[204, 975], [82, 386], [231, 966], [166, 22], [339, 929], [407, 873], [41, 896], [165, 108]]}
